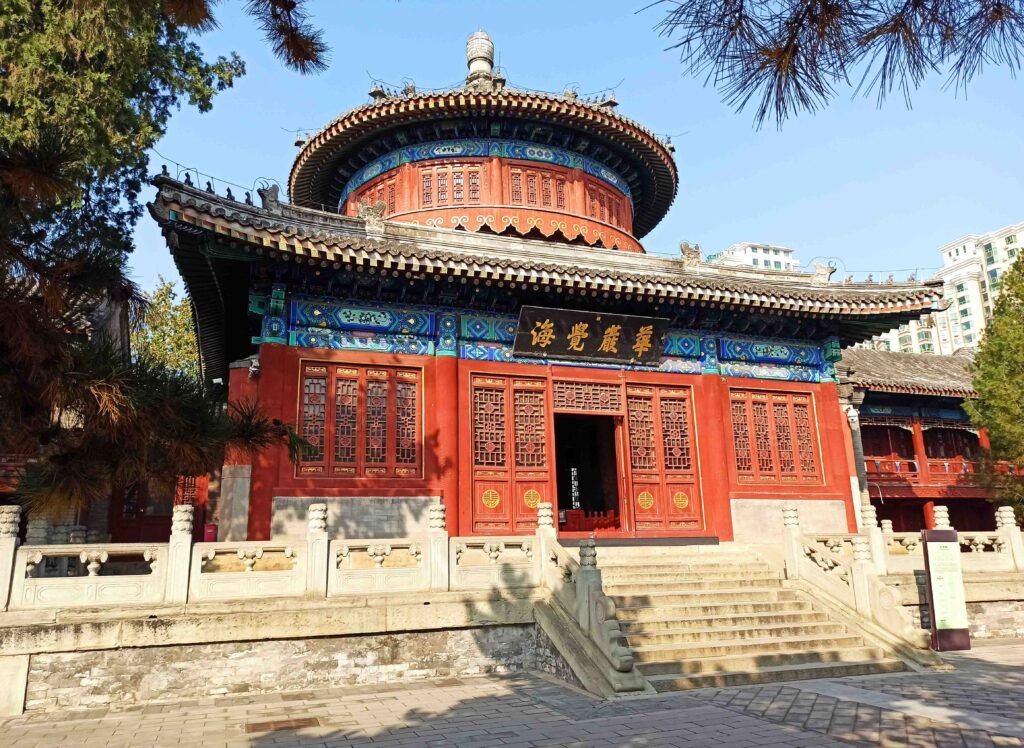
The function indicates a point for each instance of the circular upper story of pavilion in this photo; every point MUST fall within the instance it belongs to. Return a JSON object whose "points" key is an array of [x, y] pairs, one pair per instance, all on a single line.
{"points": [[485, 157]]}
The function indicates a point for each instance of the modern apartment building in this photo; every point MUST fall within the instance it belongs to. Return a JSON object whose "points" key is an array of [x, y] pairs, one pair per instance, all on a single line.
{"points": [[972, 267], [763, 256]]}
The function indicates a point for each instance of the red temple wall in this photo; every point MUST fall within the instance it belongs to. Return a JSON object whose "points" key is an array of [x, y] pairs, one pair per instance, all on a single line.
{"points": [[707, 484]]}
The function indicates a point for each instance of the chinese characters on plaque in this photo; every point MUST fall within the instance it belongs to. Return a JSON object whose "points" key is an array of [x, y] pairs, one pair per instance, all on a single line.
{"points": [[589, 336]]}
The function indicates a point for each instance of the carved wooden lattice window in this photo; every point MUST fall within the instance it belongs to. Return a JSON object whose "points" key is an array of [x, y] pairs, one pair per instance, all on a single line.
{"points": [[428, 190], [442, 188], [391, 197], [457, 186], [531, 189], [517, 186], [377, 418], [675, 433], [474, 186], [641, 433], [560, 193], [545, 190], [406, 422], [774, 436], [374, 427], [489, 445], [588, 396], [314, 413], [531, 442], [346, 418]]}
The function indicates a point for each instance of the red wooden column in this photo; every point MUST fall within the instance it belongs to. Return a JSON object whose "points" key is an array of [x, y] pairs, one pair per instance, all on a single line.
{"points": [[920, 453], [445, 406], [711, 416], [275, 367]]}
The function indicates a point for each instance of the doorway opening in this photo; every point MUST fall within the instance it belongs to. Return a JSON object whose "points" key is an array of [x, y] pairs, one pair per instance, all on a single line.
{"points": [[588, 481]]}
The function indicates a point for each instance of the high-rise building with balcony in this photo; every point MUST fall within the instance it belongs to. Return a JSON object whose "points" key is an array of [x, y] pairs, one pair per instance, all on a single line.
{"points": [[972, 269]]}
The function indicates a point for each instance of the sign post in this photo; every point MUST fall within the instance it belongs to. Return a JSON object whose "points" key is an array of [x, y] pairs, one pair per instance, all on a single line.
{"points": [[947, 603]]}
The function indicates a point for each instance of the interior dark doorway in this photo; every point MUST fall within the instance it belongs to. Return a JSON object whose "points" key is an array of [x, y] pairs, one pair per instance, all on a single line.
{"points": [[588, 481]]}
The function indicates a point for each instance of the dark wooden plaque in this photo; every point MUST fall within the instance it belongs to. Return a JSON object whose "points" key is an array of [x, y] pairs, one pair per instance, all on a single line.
{"points": [[589, 336]]}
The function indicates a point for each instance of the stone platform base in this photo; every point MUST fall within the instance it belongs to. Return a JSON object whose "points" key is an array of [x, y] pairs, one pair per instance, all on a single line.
{"points": [[59, 660], [152, 675]]}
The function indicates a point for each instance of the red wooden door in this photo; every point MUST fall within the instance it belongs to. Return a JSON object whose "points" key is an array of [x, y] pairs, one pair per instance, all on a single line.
{"points": [[665, 488], [510, 452]]}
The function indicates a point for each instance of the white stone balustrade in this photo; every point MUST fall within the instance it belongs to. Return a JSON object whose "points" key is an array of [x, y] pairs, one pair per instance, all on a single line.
{"points": [[247, 570], [93, 588], [483, 563], [380, 566], [850, 580]]}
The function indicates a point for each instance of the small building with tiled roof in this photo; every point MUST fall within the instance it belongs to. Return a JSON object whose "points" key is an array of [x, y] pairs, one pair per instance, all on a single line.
{"points": [[918, 444], [456, 305]]}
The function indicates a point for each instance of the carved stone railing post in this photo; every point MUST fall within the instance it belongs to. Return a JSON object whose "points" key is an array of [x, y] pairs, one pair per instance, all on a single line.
{"points": [[438, 528], [179, 554], [793, 541], [317, 547], [861, 570], [545, 535], [879, 546], [588, 580], [941, 517], [1006, 526], [10, 518]]}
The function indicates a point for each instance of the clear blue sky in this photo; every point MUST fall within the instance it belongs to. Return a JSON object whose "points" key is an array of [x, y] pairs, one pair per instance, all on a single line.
{"points": [[880, 190]]}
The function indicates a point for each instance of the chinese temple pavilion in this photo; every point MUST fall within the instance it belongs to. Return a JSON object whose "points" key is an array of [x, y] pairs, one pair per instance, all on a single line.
{"points": [[456, 303], [919, 445]]}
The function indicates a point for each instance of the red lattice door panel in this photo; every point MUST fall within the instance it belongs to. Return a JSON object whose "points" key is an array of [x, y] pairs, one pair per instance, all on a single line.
{"points": [[665, 489], [361, 421], [511, 452], [775, 439]]}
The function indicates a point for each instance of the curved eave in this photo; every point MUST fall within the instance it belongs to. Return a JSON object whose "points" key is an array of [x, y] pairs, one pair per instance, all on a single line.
{"points": [[327, 240], [310, 179], [906, 389]]}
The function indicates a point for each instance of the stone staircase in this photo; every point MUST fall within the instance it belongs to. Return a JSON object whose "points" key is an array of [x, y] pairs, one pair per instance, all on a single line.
{"points": [[714, 616]]}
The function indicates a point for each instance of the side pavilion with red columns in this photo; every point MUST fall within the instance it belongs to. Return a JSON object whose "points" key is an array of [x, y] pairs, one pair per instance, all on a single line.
{"points": [[456, 306]]}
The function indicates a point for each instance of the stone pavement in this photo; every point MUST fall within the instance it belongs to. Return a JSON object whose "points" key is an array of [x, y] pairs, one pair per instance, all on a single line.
{"points": [[981, 704]]}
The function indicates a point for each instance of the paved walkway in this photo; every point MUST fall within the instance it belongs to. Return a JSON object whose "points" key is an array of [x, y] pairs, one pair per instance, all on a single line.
{"points": [[981, 704]]}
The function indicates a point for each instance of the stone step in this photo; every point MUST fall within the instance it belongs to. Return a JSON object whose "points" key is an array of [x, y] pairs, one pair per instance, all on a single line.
{"points": [[703, 597], [691, 610], [687, 572], [680, 654], [644, 636], [751, 662], [636, 587], [735, 622], [772, 674]]}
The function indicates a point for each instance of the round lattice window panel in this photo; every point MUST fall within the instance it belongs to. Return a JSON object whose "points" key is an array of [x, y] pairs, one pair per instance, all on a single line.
{"points": [[681, 500], [645, 499], [531, 498], [490, 498]]}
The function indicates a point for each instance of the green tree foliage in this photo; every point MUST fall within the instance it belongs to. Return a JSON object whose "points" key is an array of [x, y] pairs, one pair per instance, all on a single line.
{"points": [[795, 56], [999, 381], [165, 332], [86, 87]]}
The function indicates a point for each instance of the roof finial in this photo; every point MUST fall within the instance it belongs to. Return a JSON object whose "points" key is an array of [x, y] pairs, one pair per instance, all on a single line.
{"points": [[479, 56]]}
